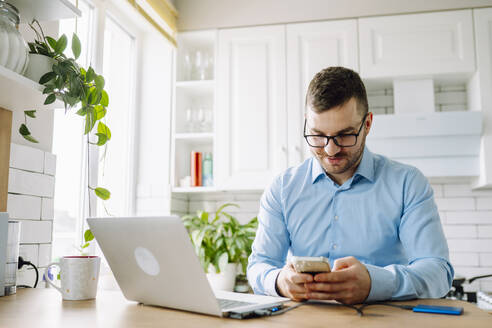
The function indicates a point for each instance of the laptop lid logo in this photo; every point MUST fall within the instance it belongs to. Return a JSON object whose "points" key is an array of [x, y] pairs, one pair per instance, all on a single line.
{"points": [[147, 261]]}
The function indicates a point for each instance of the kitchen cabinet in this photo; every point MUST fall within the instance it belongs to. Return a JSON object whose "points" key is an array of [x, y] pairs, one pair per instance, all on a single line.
{"points": [[479, 89], [251, 107], [310, 48], [262, 75], [418, 44]]}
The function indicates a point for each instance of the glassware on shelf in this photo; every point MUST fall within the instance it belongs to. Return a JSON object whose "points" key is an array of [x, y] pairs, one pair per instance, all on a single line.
{"points": [[190, 119], [201, 126], [207, 170], [198, 73], [209, 120], [13, 47], [202, 64], [187, 66]]}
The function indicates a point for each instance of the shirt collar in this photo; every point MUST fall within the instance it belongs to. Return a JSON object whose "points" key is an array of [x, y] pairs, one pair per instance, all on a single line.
{"points": [[365, 168]]}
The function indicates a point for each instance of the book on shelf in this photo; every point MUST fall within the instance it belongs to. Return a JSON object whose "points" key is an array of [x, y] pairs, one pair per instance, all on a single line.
{"points": [[196, 169]]}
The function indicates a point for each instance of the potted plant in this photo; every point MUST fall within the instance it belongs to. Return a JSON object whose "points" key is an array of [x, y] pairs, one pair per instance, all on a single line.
{"points": [[41, 56], [222, 244]]}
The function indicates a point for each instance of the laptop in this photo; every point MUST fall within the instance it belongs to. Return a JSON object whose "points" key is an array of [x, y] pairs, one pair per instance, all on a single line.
{"points": [[154, 263]]}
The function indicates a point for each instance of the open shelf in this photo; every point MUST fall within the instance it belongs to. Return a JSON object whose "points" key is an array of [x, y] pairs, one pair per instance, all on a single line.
{"points": [[194, 136], [186, 190], [18, 93], [45, 10]]}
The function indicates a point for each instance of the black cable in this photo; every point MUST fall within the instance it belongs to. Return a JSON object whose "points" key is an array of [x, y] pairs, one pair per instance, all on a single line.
{"points": [[403, 307], [37, 274], [353, 307], [359, 309], [20, 264]]}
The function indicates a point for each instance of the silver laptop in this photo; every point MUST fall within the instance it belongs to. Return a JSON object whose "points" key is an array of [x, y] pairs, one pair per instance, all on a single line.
{"points": [[154, 263]]}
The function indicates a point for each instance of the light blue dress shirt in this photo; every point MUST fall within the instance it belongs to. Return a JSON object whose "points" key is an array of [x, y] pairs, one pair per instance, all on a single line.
{"points": [[385, 216]]}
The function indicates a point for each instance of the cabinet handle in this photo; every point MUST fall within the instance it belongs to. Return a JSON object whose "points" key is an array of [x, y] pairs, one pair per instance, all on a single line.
{"points": [[284, 149]]}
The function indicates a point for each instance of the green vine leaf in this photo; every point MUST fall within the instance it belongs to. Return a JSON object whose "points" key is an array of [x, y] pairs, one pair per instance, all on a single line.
{"points": [[85, 245], [30, 138], [47, 77], [90, 75], [102, 139], [82, 111], [88, 236], [102, 128], [26, 134], [61, 44], [100, 112], [50, 99], [30, 113], [76, 47], [102, 193], [104, 98], [23, 130], [51, 42], [99, 82]]}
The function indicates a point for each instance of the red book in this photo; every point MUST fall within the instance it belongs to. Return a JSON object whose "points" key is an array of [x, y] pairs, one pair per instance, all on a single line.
{"points": [[196, 169]]}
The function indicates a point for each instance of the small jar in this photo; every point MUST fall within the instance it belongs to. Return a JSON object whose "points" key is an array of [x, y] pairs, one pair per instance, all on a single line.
{"points": [[13, 47]]}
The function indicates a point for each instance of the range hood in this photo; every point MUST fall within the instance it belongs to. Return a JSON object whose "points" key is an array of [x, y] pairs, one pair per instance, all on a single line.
{"points": [[440, 144]]}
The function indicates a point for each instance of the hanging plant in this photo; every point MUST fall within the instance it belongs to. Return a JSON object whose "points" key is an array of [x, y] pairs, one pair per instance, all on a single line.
{"points": [[80, 89]]}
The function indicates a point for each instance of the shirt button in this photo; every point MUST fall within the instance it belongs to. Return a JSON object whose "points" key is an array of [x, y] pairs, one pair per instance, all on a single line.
{"points": [[334, 246], [336, 217]]}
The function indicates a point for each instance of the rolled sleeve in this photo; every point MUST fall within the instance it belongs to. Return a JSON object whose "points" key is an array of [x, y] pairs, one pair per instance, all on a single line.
{"points": [[382, 283]]}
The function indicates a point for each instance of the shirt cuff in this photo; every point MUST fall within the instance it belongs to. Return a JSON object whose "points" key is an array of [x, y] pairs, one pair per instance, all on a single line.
{"points": [[271, 282], [382, 283]]}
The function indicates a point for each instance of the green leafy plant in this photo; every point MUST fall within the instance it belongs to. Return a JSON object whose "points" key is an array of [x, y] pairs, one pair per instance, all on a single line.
{"points": [[220, 239], [79, 88]]}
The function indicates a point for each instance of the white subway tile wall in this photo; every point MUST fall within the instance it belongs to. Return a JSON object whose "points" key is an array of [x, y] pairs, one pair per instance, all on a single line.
{"points": [[447, 98], [466, 216], [30, 201]]}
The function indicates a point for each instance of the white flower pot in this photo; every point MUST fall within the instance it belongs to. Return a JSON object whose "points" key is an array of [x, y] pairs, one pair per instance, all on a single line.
{"points": [[225, 280], [38, 66]]}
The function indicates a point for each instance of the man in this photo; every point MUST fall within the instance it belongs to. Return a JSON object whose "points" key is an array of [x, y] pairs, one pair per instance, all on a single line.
{"points": [[375, 219]]}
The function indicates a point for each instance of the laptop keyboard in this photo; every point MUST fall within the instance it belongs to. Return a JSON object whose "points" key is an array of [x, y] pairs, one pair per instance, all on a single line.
{"points": [[229, 304]]}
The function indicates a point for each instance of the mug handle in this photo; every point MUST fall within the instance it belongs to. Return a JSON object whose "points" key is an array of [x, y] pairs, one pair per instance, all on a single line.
{"points": [[48, 280]]}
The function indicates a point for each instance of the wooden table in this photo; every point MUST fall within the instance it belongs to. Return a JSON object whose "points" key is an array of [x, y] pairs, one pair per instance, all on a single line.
{"points": [[45, 308]]}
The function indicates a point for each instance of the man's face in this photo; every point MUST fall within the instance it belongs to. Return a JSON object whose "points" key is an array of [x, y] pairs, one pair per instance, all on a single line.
{"points": [[339, 162]]}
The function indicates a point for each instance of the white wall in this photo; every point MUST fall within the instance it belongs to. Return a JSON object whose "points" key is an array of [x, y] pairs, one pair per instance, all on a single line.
{"points": [[30, 201], [153, 126], [206, 14]]}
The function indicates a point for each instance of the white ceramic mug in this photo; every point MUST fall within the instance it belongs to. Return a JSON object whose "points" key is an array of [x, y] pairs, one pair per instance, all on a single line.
{"points": [[79, 276]]}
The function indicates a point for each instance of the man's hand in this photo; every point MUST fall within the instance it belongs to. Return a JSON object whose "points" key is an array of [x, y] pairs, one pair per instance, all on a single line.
{"points": [[291, 284], [349, 282]]}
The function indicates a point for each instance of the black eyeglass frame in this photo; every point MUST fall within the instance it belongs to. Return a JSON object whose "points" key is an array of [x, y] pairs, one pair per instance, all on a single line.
{"points": [[334, 137]]}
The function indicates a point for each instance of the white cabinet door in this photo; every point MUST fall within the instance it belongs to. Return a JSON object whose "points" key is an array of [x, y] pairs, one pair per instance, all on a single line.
{"points": [[310, 48], [251, 114], [409, 45], [479, 88]]}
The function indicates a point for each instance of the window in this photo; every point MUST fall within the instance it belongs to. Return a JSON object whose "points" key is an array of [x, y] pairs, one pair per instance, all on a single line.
{"points": [[113, 166], [69, 146]]}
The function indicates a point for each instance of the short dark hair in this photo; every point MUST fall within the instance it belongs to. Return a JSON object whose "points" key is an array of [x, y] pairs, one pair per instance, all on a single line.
{"points": [[334, 86]]}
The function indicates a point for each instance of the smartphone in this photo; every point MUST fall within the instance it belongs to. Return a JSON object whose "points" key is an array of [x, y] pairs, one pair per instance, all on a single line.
{"points": [[312, 265], [438, 309]]}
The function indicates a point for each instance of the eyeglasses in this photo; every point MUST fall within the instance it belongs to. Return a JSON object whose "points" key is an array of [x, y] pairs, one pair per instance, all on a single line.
{"points": [[341, 140]]}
